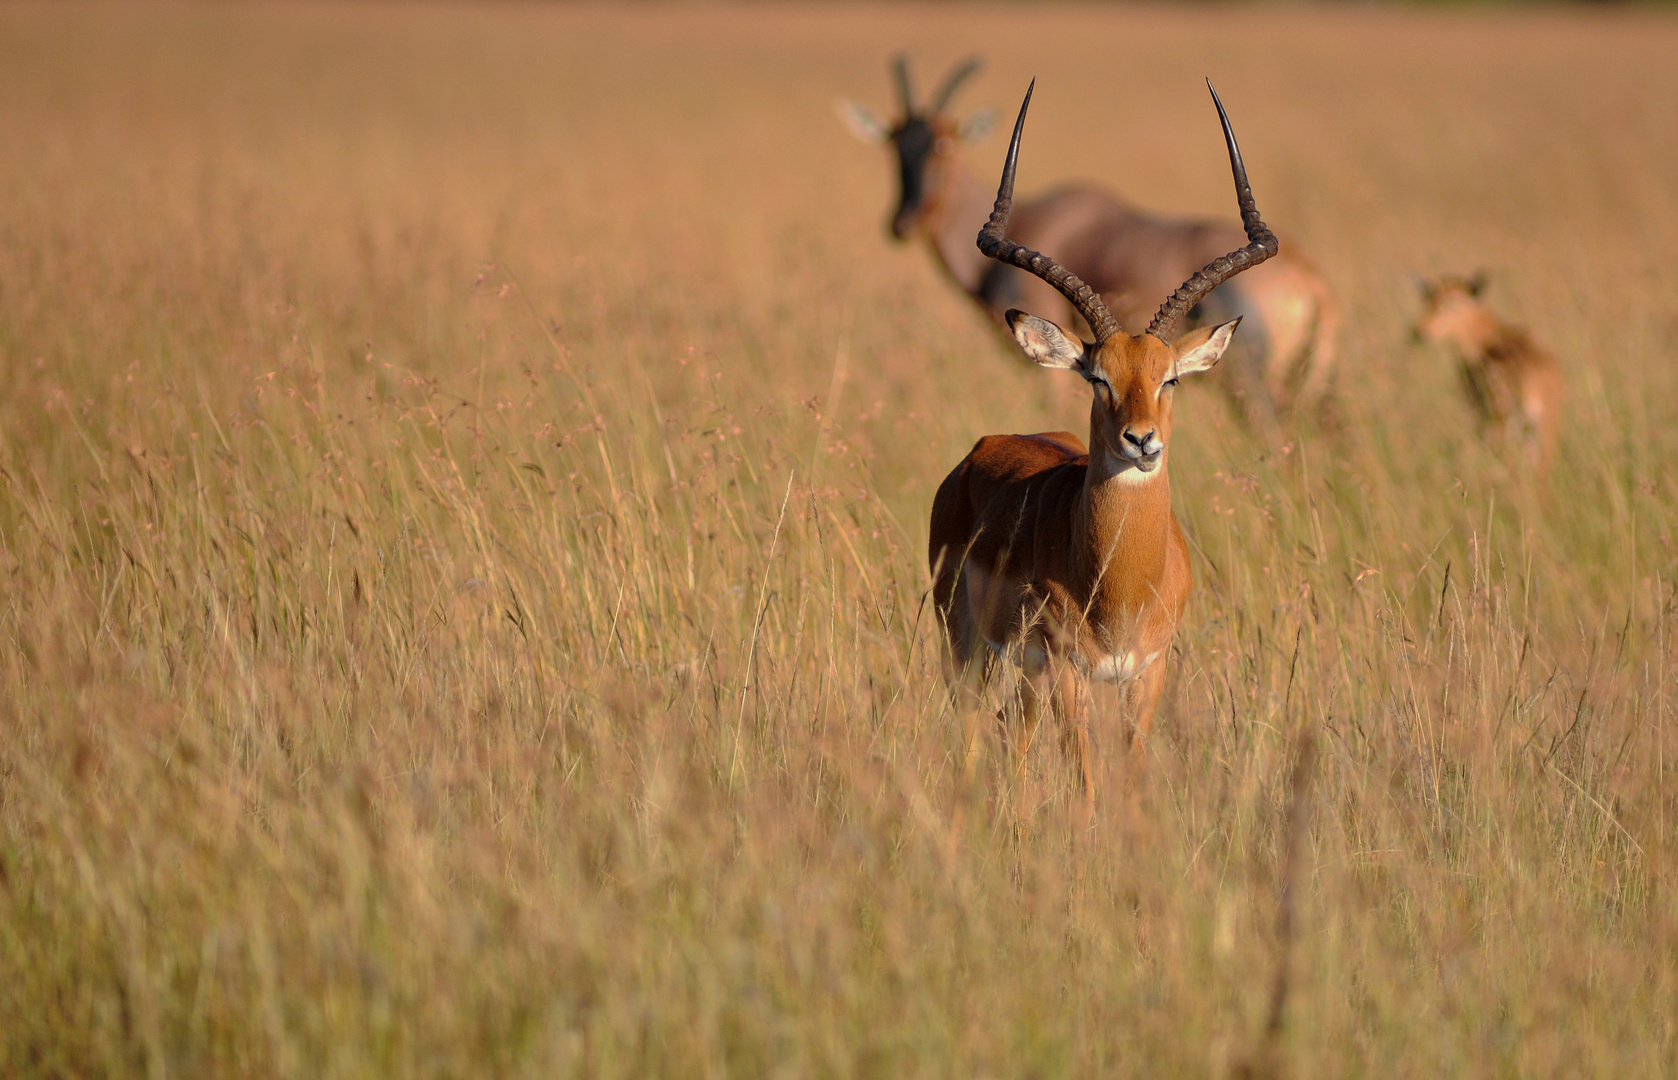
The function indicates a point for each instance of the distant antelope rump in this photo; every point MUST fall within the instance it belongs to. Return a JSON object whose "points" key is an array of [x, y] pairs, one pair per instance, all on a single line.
{"points": [[1069, 561], [1512, 382], [1284, 360]]}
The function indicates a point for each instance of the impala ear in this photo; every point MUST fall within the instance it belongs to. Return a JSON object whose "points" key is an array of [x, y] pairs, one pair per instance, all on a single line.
{"points": [[978, 125], [861, 121], [1045, 342], [1200, 349]]}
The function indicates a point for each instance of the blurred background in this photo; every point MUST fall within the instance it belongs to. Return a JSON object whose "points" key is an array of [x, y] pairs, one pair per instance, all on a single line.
{"points": [[463, 482]]}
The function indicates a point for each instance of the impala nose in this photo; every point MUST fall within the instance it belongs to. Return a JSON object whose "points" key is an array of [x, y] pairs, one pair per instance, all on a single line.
{"points": [[1143, 441], [1142, 447]]}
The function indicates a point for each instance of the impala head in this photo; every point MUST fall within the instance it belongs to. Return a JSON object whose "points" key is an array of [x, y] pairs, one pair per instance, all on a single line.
{"points": [[1132, 377], [1451, 307], [925, 140]]}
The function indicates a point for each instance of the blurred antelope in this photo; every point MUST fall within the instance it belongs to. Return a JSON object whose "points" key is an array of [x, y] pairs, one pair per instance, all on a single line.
{"points": [[1512, 381], [1127, 257], [1064, 560]]}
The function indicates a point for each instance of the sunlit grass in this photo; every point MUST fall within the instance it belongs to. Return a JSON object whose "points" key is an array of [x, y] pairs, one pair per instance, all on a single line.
{"points": [[463, 482]]}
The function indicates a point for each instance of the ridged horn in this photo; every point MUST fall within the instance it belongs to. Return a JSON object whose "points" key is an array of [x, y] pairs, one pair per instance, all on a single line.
{"points": [[1263, 244], [994, 244], [952, 82]]}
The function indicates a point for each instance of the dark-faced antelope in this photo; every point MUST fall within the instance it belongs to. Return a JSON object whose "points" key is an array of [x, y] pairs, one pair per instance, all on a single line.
{"points": [[1513, 382], [1068, 560], [1284, 359]]}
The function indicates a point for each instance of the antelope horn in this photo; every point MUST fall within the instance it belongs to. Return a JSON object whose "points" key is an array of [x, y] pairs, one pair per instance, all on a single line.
{"points": [[952, 82], [905, 90], [1220, 270], [993, 244]]}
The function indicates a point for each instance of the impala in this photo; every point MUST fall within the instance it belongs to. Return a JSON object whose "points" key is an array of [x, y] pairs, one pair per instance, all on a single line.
{"points": [[1284, 360], [1067, 560], [1513, 382]]}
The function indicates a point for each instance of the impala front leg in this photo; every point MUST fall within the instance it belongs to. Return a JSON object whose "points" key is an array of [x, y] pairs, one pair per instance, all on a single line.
{"points": [[1034, 690], [1071, 694], [1035, 693], [1141, 699]]}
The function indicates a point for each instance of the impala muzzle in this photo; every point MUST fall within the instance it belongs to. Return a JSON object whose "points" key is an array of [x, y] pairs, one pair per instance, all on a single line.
{"points": [[1142, 449]]}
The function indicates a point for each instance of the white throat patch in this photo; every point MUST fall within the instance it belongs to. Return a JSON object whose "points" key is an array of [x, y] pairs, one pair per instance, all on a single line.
{"points": [[1130, 476]]}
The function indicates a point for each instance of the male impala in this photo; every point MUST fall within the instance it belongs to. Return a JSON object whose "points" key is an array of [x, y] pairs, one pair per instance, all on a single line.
{"points": [[1284, 359], [1512, 381], [1065, 560]]}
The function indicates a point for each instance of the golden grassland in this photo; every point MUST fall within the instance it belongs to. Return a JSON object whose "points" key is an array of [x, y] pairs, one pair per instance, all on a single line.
{"points": [[463, 483]]}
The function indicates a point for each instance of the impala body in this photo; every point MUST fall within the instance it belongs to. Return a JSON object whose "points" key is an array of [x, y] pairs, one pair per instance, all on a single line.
{"points": [[1061, 556], [1513, 383], [1285, 356]]}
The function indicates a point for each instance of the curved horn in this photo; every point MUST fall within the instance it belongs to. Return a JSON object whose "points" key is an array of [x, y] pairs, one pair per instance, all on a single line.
{"points": [[1263, 245], [905, 90], [952, 82], [993, 244]]}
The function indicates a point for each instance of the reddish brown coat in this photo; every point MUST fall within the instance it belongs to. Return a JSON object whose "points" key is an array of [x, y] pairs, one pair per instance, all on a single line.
{"points": [[1070, 559], [1512, 381], [1066, 561]]}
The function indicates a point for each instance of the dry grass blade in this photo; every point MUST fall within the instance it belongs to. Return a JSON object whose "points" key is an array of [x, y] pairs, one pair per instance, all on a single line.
{"points": [[1266, 1061]]}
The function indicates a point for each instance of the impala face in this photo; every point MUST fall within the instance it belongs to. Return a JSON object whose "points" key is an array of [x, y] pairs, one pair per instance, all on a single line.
{"points": [[925, 140], [923, 144], [1132, 379], [1450, 307]]}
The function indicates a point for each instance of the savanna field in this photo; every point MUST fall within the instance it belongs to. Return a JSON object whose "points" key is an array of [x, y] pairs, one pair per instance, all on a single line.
{"points": [[464, 476]]}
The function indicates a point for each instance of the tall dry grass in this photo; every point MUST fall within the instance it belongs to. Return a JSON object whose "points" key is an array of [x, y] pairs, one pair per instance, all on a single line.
{"points": [[462, 483]]}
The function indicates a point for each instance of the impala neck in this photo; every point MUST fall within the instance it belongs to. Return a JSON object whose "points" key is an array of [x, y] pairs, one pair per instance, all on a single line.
{"points": [[1126, 529], [961, 206]]}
